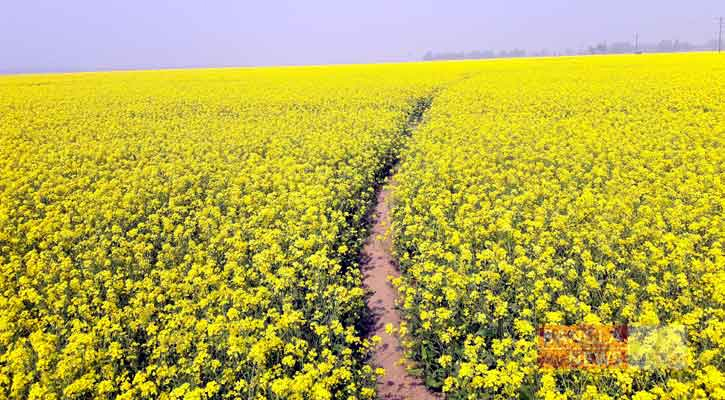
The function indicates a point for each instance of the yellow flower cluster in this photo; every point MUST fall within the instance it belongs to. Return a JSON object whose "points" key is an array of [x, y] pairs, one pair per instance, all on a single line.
{"points": [[566, 191], [192, 234]]}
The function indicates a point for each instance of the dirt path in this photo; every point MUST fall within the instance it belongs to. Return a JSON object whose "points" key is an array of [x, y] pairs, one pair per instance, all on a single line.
{"points": [[377, 265]]}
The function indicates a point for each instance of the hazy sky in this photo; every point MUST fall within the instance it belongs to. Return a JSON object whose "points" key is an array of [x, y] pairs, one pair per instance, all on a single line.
{"points": [[39, 35]]}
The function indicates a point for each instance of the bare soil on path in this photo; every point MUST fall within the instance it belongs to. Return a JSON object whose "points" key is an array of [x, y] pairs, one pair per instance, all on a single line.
{"points": [[377, 265]]}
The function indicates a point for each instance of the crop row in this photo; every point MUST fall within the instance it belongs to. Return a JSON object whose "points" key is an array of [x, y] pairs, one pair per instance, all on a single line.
{"points": [[192, 234], [567, 191]]}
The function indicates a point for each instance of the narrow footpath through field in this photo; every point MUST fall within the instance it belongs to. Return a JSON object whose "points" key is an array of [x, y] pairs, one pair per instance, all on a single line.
{"points": [[377, 266]]}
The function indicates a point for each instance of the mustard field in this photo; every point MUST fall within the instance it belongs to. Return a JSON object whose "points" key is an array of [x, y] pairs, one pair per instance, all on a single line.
{"points": [[567, 191], [195, 234], [192, 234]]}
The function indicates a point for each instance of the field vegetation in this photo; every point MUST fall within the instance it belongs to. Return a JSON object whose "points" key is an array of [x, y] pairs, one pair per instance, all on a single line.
{"points": [[566, 191], [194, 234]]}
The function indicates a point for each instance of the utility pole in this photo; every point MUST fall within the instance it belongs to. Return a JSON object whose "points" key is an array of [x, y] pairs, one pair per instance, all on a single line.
{"points": [[636, 42], [719, 37]]}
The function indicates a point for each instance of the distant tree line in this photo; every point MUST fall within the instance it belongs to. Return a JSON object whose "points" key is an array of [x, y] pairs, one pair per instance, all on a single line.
{"points": [[664, 46], [474, 55]]}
